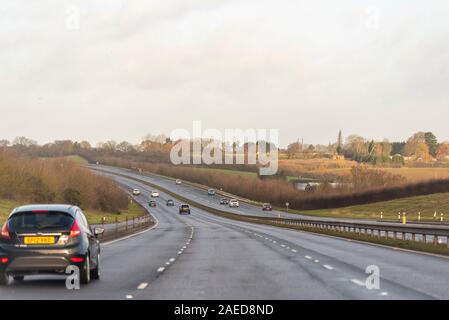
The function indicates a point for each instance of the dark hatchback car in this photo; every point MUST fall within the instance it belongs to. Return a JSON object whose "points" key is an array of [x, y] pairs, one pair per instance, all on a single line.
{"points": [[224, 201], [46, 239], [267, 207], [184, 209], [170, 203], [152, 203]]}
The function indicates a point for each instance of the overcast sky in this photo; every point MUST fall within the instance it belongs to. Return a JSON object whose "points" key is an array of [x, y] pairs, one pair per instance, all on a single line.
{"points": [[117, 69]]}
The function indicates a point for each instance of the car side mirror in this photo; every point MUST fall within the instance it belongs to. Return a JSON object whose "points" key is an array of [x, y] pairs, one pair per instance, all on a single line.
{"points": [[98, 231]]}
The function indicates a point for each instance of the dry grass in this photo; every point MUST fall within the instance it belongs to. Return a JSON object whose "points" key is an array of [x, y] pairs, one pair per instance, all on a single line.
{"points": [[342, 168]]}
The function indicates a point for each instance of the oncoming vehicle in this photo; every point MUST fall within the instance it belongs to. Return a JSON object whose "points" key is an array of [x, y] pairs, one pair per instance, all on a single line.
{"points": [[136, 192], [46, 239], [224, 201], [154, 194], [152, 203], [170, 203], [233, 203], [184, 209], [178, 181], [211, 192], [267, 207]]}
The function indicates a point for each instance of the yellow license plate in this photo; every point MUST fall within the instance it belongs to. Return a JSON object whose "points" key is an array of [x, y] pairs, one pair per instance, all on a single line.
{"points": [[39, 240]]}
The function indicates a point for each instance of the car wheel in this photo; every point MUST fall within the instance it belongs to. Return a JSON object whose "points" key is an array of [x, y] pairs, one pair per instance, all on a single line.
{"points": [[85, 271], [95, 274], [4, 279], [18, 278]]}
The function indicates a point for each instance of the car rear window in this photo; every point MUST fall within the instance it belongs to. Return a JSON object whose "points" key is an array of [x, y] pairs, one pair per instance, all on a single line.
{"points": [[184, 206], [40, 221]]}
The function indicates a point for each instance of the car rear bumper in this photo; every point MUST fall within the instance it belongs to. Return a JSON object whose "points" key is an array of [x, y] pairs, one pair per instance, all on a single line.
{"points": [[30, 261], [26, 265]]}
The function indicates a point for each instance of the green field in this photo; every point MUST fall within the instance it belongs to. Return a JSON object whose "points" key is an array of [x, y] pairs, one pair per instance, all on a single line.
{"points": [[77, 159], [427, 205], [94, 217]]}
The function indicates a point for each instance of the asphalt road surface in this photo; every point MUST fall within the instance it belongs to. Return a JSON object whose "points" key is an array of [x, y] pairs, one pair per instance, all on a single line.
{"points": [[203, 256]]}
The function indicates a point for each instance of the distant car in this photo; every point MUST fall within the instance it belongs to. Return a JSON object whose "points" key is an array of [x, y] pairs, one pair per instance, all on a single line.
{"points": [[178, 181], [46, 239], [267, 207], [170, 203], [136, 192], [184, 209], [233, 203], [154, 194], [224, 201], [152, 203], [211, 192]]}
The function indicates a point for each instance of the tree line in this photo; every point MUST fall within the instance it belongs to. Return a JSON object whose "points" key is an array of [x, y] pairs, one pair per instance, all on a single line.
{"points": [[420, 147]]}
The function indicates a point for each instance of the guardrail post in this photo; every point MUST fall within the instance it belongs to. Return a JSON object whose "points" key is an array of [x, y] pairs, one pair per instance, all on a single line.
{"points": [[134, 220], [116, 225], [435, 240], [413, 237], [126, 228]]}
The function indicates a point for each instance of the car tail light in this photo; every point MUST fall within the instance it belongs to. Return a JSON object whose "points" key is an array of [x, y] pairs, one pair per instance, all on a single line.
{"points": [[5, 231], [4, 260], [75, 231], [77, 259]]}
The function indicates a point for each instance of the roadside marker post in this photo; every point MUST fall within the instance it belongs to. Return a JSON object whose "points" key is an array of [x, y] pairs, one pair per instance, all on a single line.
{"points": [[404, 218], [419, 216], [442, 218], [381, 216]]}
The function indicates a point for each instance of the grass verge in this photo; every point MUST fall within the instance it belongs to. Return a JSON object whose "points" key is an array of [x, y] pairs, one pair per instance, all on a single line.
{"points": [[94, 217], [426, 205]]}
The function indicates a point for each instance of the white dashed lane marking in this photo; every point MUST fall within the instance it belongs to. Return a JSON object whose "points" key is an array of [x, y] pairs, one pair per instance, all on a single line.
{"points": [[358, 282], [142, 286], [308, 257], [161, 269], [328, 267]]}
